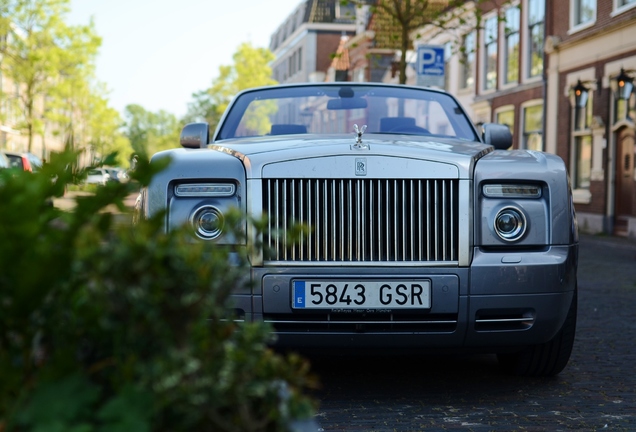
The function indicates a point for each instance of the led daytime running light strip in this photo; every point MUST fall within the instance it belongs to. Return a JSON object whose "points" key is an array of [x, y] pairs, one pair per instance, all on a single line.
{"points": [[205, 190], [512, 191]]}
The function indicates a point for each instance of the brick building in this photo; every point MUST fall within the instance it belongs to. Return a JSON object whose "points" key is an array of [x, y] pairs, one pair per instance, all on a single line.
{"points": [[523, 64], [305, 43], [550, 70], [592, 123]]}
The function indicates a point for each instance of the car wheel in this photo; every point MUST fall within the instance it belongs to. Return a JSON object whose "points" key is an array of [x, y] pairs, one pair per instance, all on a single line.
{"points": [[545, 359]]}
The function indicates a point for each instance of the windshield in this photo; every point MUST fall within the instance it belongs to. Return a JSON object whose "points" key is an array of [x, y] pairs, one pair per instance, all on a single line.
{"points": [[335, 109]]}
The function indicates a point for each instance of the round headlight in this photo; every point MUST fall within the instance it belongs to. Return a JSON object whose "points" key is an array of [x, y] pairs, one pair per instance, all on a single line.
{"points": [[510, 224], [208, 222]]}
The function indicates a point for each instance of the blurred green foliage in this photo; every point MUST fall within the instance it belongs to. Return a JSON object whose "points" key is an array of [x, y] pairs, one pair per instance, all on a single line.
{"points": [[106, 326]]}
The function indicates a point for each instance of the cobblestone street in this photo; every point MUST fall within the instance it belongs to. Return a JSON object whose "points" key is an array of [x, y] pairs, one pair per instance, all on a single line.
{"points": [[596, 391]]}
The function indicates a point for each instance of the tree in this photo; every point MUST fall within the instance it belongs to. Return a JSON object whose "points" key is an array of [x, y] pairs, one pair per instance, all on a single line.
{"points": [[397, 21], [250, 69], [42, 54], [104, 129], [150, 132], [124, 328], [201, 109]]}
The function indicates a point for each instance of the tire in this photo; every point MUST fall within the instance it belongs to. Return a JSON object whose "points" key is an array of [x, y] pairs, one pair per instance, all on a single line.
{"points": [[547, 359]]}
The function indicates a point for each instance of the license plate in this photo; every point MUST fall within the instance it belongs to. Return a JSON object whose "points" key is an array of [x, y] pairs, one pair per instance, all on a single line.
{"points": [[401, 294]]}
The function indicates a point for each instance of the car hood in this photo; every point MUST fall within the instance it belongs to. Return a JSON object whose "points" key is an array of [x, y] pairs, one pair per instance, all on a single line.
{"points": [[309, 155]]}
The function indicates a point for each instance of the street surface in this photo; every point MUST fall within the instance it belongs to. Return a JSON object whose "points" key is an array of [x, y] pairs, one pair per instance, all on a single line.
{"points": [[596, 391]]}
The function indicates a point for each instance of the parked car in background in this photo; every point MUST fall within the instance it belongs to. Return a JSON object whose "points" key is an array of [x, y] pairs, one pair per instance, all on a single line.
{"points": [[24, 161], [4, 161], [99, 176], [423, 233], [117, 174]]}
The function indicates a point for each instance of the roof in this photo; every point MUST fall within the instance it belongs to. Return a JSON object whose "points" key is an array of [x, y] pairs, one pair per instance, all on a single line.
{"points": [[341, 58]]}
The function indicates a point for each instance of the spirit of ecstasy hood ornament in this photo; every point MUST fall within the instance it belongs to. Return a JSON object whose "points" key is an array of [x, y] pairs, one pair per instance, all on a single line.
{"points": [[359, 132]]}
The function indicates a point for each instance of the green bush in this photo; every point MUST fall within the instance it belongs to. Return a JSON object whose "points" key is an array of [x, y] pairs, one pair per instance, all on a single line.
{"points": [[114, 327]]}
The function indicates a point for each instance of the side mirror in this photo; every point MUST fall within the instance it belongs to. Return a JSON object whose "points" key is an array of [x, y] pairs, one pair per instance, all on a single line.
{"points": [[195, 135], [497, 135]]}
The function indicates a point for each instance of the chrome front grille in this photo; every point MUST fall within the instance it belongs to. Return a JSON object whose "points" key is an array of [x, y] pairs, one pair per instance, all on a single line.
{"points": [[362, 220]]}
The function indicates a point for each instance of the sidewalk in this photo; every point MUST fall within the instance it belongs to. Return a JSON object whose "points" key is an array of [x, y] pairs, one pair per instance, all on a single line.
{"points": [[595, 240], [68, 201]]}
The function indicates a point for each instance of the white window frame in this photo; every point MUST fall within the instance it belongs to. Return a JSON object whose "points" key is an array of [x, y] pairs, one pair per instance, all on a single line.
{"points": [[504, 49], [577, 27], [527, 44], [522, 122], [482, 63], [582, 194], [461, 87], [617, 10]]}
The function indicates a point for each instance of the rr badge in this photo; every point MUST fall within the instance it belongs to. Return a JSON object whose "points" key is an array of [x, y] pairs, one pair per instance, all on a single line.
{"points": [[361, 166]]}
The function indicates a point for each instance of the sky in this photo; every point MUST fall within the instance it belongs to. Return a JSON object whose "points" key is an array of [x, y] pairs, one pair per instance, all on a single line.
{"points": [[157, 53]]}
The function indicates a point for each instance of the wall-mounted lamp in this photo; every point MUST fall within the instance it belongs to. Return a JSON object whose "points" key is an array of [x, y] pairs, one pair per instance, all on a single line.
{"points": [[581, 94], [623, 86]]}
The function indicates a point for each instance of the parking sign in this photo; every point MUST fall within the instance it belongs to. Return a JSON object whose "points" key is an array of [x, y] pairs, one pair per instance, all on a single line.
{"points": [[430, 65]]}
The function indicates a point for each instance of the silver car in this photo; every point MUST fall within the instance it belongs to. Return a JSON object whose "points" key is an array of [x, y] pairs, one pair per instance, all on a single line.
{"points": [[423, 233], [98, 176]]}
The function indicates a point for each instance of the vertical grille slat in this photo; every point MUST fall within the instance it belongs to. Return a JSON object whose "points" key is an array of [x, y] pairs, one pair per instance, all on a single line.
{"points": [[334, 221], [342, 227], [420, 221], [372, 214], [362, 220]]}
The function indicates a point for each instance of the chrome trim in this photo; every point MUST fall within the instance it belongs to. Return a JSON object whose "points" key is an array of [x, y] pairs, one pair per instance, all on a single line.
{"points": [[363, 220], [275, 263], [505, 320], [396, 322]]}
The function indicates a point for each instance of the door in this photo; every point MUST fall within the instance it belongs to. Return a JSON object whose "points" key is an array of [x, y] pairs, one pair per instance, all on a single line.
{"points": [[625, 188]]}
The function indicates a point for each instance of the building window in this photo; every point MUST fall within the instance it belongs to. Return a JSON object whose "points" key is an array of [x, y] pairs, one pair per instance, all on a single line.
{"points": [[448, 52], [506, 117], [582, 138], [468, 61], [533, 127], [513, 25], [583, 12], [623, 3], [345, 11], [290, 65], [300, 59], [625, 109], [536, 17], [583, 161], [583, 115], [491, 32]]}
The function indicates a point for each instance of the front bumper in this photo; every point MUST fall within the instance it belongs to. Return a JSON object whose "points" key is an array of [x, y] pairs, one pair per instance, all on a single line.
{"points": [[501, 301]]}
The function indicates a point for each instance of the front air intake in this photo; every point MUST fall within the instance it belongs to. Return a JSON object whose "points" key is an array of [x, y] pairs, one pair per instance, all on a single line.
{"points": [[362, 220]]}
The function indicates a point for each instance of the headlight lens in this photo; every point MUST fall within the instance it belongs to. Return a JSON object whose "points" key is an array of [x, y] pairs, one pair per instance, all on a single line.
{"points": [[208, 222], [510, 224]]}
